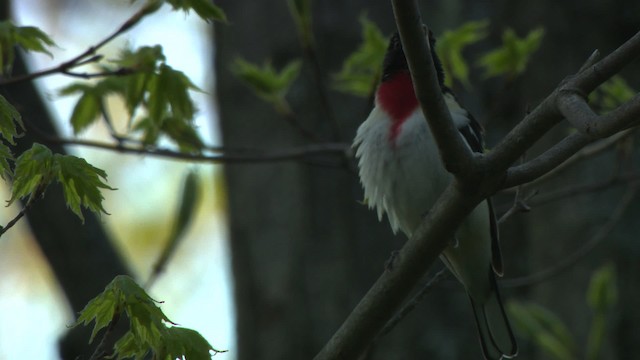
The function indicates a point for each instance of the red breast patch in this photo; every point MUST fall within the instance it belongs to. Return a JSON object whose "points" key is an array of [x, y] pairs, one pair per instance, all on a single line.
{"points": [[397, 98]]}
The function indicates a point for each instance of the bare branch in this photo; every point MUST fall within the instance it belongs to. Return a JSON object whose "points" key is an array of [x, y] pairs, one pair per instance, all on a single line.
{"points": [[407, 308], [229, 155], [395, 285], [456, 156], [568, 98], [570, 260], [586, 153]]}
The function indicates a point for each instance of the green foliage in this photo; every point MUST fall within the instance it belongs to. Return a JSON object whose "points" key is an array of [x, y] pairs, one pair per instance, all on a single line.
{"points": [[155, 89], [512, 57], [451, 44], [361, 70], [205, 9], [612, 93], [547, 331], [544, 329], [603, 293], [184, 215], [188, 204], [81, 182], [9, 117], [265, 81], [5, 157], [301, 13], [89, 107], [602, 296], [29, 38], [148, 324]]}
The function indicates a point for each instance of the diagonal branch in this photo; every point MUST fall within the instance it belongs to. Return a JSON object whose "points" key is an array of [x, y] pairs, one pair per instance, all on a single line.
{"points": [[456, 156], [394, 285]]}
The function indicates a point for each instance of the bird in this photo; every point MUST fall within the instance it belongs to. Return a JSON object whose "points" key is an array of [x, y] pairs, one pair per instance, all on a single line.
{"points": [[402, 176]]}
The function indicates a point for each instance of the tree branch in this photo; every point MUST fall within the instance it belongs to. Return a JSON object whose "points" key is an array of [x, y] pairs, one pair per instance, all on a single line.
{"points": [[456, 156], [585, 153], [88, 56], [230, 155], [561, 101], [395, 284], [571, 259]]}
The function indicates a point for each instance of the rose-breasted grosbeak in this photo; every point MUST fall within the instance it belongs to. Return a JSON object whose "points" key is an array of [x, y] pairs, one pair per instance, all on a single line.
{"points": [[402, 176]]}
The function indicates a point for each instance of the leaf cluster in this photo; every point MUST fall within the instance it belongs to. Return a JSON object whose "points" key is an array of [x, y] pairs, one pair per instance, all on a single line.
{"points": [[361, 70], [29, 38], [205, 9], [545, 329], [157, 98], [267, 83], [81, 182], [148, 325]]}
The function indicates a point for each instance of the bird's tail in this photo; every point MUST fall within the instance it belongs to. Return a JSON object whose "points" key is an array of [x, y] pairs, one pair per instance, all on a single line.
{"points": [[496, 336]]}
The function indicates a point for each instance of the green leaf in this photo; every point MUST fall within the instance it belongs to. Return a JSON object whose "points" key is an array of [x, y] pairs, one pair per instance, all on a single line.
{"points": [[5, 156], [169, 95], [543, 328], [9, 117], [204, 8], [301, 13], [603, 292], [189, 343], [177, 89], [88, 109], [102, 309], [184, 215], [33, 172], [31, 38], [451, 44], [613, 93], [361, 70], [86, 112], [81, 184], [265, 81], [148, 330], [602, 296], [183, 133], [143, 59], [127, 348], [27, 37], [511, 59]]}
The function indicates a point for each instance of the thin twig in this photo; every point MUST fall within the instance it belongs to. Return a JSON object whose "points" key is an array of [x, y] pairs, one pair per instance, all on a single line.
{"points": [[575, 190], [21, 213], [321, 85], [586, 153], [243, 156], [520, 204], [117, 72], [406, 309], [86, 57], [580, 253]]}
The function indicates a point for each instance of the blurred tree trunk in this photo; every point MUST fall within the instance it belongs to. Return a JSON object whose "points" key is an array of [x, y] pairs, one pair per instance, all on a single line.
{"points": [[81, 256]]}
